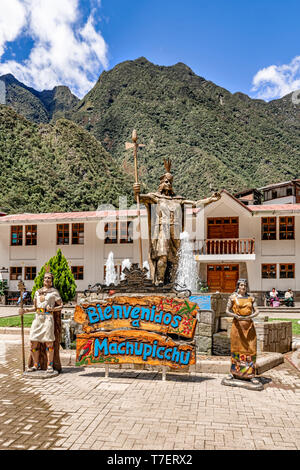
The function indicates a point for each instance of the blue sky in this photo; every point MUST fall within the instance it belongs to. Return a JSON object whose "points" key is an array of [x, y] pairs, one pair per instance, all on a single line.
{"points": [[248, 46]]}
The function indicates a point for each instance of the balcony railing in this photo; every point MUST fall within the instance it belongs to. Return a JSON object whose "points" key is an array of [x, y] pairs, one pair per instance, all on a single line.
{"points": [[225, 246]]}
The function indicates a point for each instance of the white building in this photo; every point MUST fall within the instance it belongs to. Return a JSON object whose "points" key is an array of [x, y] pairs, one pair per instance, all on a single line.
{"points": [[286, 192], [257, 242]]}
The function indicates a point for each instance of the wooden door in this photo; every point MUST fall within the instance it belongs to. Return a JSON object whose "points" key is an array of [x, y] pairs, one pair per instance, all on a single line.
{"points": [[230, 277], [222, 227], [222, 277], [219, 231], [214, 277]]}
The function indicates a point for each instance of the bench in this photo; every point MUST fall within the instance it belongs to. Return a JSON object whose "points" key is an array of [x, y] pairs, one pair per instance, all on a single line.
{"points": [[280, 296], [13, 297]]}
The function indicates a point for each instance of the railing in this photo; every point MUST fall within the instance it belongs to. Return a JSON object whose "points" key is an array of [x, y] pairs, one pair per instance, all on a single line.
{"points": [[225, 246]]}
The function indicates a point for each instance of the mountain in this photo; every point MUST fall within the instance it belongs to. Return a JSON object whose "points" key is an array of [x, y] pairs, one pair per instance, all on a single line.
{"points": [[54, 167], [37, 106], [212, 136]]}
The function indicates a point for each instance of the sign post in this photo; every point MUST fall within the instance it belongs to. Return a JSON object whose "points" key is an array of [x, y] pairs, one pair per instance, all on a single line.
{"points": [[149, 330], [21, 287]]}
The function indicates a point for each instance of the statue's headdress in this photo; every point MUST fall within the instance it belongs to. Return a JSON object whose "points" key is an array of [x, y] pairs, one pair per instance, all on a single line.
{"points": [[48, 270], [167, 164]]}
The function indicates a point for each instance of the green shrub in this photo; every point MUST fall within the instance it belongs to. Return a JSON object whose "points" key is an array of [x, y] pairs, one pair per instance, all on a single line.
{"points": [[63, 279]]}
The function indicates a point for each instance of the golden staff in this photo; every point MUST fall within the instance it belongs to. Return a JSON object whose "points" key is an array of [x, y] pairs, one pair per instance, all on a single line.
{"points": [[21, 287], [135, 146]]}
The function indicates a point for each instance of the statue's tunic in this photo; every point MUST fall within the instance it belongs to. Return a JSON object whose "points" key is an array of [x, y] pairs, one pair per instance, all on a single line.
{"points": [[42, 328], [243, 339], [167, 224]]}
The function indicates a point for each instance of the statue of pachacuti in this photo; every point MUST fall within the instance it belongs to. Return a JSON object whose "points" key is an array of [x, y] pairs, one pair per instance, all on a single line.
{"points": [[164, 236], [242, 307]]}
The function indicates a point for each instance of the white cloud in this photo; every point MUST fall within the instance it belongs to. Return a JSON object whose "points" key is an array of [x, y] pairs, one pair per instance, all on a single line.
{"points": [[65, 52], [276, 81], [12, 20]]}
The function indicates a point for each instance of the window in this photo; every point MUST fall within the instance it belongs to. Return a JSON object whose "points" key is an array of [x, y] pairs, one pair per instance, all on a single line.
{"points": [[63, 234], [77, 234], [15, 273], [274, 194], [126, 232], [77, 272], [111, 233], [268, 228], [30, 273], [16, 235], [268, 271], [289, 191], [286, 228], [30, 234], [287, 271]]}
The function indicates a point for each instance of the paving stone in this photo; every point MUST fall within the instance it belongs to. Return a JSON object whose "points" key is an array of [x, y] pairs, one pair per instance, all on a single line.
{"points": [[81, 409]]}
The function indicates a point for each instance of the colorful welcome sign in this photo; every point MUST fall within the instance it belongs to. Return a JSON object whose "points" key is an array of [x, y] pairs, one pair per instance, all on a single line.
{"points": [[140, 326]]}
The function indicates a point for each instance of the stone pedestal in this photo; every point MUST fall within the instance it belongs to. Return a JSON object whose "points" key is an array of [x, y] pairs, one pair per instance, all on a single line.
{"points": [[40, 374], [232, 382]]}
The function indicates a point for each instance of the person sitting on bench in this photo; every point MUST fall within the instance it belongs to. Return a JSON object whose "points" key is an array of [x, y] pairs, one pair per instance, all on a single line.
{"points": [[274, 298], [289, 298], [25, 295]]}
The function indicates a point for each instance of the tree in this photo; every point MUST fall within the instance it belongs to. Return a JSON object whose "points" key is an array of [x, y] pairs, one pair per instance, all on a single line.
{"points": [[63, 279]]}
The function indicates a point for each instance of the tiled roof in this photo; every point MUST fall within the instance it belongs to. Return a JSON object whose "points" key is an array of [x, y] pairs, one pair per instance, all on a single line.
{"points": [[275, 207], [248, 197], [55, 216], [277, 185], [96, 215]]}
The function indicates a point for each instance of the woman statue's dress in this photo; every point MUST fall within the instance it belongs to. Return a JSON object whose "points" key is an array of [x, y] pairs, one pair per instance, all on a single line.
{"points": [[42, 328], [46, 327], [243, 338]]}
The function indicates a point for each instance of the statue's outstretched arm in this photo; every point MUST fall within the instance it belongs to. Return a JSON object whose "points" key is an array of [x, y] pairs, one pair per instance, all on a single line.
{"points": [[215, 197], [208, 200]]}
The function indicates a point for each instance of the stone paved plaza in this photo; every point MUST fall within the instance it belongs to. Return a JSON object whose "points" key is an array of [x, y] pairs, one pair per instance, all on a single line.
{"points": [[81, 409]]}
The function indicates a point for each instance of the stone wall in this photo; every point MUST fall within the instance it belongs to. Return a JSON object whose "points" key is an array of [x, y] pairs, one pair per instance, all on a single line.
{"points": [[204, 331], [271, 337], [221, 344], [275, 336]]}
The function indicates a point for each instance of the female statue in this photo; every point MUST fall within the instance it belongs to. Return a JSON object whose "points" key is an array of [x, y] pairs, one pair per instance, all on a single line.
{"points": [[242, 307], [47, 300]]}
